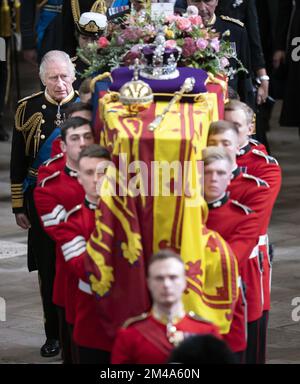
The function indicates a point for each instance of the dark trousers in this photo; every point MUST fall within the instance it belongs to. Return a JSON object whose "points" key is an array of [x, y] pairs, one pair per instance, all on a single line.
{"points": [[41, 256], [253, 343], [64, 336], [93, 356], [264, 320]]}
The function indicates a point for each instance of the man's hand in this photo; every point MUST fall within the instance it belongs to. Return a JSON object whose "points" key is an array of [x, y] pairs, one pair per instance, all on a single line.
{"points": [[22, 220], [278, 58], [262, 92], [30, 55]]}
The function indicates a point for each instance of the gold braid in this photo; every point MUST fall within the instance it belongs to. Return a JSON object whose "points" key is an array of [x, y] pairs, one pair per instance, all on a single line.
{"points": [[75, 10], [32, 125], [99, 6]]}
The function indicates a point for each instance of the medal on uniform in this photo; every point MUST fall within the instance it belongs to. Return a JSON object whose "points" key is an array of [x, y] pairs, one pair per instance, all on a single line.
{"points": [[174, 336], [237, 3], [59, 119]]}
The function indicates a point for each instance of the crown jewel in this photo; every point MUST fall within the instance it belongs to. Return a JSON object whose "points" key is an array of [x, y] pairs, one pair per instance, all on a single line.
{"points": [[159, 61]]}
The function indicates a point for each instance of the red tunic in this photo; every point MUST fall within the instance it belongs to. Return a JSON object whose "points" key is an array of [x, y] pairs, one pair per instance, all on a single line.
{"points": [[238, 225], [56, 163], [54, 196], [254, 193], [73, 235], [56, 148], [256, 162], [145, 341]]}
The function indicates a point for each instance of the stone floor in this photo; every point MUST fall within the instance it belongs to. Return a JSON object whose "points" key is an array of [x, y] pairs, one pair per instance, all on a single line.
{"points": [[21, 334]]}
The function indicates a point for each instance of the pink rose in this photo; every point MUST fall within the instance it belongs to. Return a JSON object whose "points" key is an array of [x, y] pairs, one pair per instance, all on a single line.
{"points": [[215, 44], [170, 44], [224, 62], [189, 47], [196, 20], [201, 44], [184, 24], [171, 19], [103, 42]]}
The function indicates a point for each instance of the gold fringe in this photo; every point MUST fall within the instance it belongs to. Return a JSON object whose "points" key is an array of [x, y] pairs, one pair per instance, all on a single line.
{"points": [[17, 6], [5, 29]]}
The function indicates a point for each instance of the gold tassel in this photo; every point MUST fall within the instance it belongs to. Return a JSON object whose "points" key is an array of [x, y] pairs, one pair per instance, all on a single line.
{"points": [[5, 29], [99, 6], [17, 13]]}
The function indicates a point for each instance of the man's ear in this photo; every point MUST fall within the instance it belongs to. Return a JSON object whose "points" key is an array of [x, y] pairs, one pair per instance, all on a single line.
{"points": [[252, 128], [63, 146]]}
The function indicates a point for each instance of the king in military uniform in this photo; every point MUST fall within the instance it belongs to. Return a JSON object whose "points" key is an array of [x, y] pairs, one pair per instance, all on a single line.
{"points": [[37, 122]]}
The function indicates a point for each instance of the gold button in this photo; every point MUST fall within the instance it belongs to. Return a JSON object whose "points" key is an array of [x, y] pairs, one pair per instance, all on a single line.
{"points": [[44, 106], [42, 137], [43, 121]]}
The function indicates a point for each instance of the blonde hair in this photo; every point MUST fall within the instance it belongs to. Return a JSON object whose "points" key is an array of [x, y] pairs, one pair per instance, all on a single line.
{"points": [[212, 154], [236, 105], [221, 126]]}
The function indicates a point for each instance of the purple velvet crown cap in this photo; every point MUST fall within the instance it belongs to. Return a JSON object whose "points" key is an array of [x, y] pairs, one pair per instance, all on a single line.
{"points": [[148, 52], [123, 74]]}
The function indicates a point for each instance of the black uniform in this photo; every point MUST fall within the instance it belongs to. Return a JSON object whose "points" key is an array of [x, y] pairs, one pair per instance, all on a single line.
{"points": [[247, 13], [36, 118], [45, 34], [241, 82], [290, 109], [69, 39], [80, 67]]}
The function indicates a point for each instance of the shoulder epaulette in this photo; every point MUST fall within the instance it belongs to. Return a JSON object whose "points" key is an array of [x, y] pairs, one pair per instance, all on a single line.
{"points": [[43, 182], [73, 210], [254, 142], [56, 157], [246, 209], [236, 21], [135, 319], [269, 159], [31, 96], [194, 316], [259, 182]]}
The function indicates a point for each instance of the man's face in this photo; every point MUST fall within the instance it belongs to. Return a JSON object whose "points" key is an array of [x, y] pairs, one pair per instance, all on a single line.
{"points": [[76, 140], [238, 118], [166, 281], [84, 40], [227, 140], [88, 175], [58, 80], [85, 114], [206, 8], [216, 179]]}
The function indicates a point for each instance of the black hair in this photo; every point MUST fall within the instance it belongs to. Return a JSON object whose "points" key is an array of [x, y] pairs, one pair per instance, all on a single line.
{"points": [[73, 122]]}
